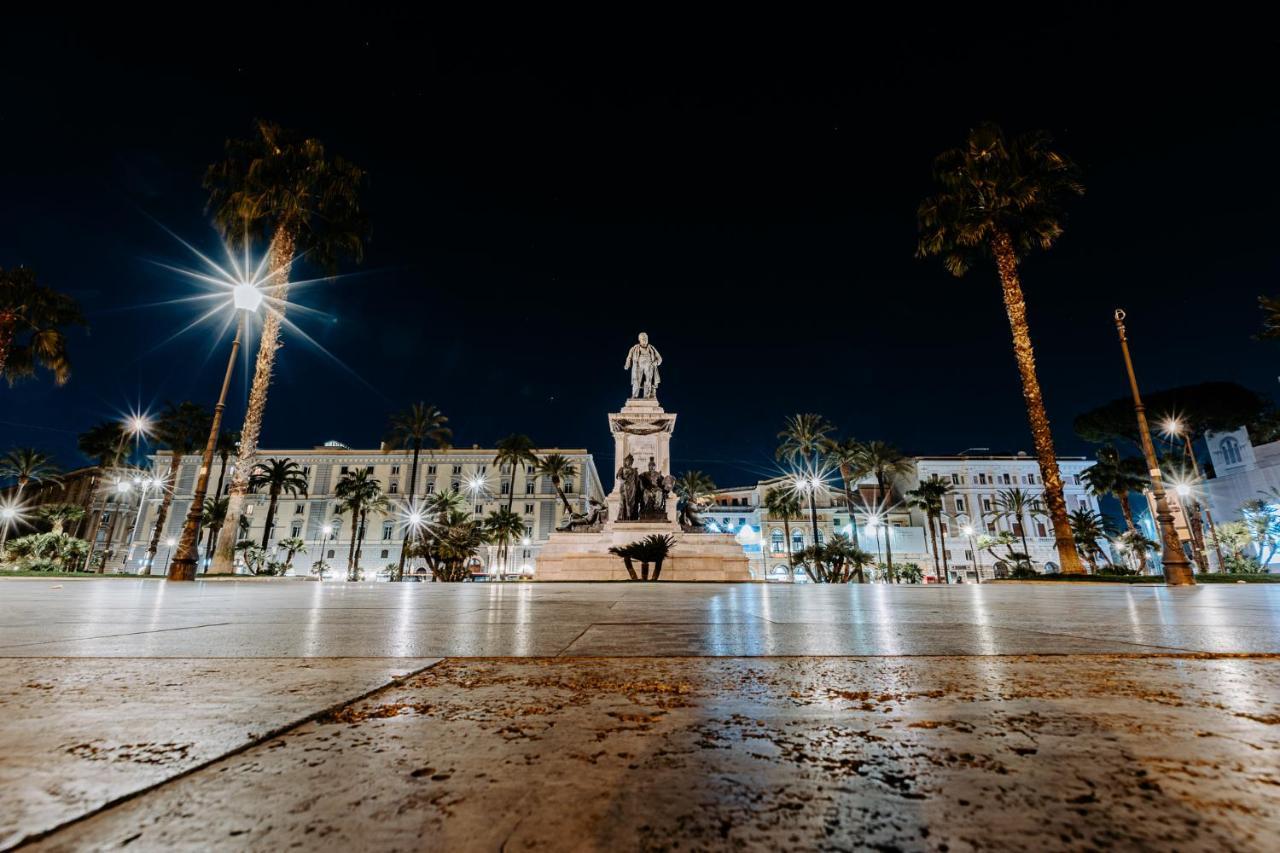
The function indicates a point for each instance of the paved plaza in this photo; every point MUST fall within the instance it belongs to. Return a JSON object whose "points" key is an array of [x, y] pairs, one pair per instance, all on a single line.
{"points": [[265, 715]]}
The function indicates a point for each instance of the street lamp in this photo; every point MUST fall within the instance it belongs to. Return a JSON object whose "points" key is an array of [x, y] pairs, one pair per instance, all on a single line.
{"points": [[967, 530], [1177, 571], [8, 515], [246, 298], [1173, 426]]}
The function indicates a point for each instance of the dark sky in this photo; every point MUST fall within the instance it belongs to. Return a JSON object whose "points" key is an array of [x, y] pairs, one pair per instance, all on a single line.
{"points": [[541, 194]]}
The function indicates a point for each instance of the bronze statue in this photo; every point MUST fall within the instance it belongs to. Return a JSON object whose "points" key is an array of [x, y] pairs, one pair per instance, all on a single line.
{"points": [[643, 360]]}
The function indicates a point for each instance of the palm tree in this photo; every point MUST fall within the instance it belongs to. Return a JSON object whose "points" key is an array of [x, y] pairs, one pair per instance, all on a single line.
{"points": [[277, 476], [845, 455], [930, 497], [212, 516], [414, 428], [358, 492], [504, 527], [1004, 199], [1117, 477], [28, 465], [444, 504], [181, 428], [783, 504], [886, 464], [228, 442], [1014, 507], [59, 514], [556, 466], [839, 561], [32, 322], [1088, 527], [1136, 542], [287, 189], [694, 486], [104, 443], [450, 543], [804, 439], [515, 450], [291, 545]]}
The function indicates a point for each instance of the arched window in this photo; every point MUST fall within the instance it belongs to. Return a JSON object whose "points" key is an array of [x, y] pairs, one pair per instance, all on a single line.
{"points": [[1230, 448], [776, 542], [797, 540], [779, 573]]}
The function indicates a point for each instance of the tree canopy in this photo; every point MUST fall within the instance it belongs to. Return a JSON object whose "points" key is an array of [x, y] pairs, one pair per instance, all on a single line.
{"points": [[1200, 407]]}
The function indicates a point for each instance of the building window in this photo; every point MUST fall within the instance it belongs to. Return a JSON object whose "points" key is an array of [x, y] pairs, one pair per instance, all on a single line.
{"points": [[344, 470], [457, 469], [1230, 448], [526, 554], [1075, 479], [299, 509], [295, 531], [431, 469], [479, 509], [797, 541], [386, 530], [1040, 531], [568, 486], [395, 487], [529, 486], [955, 479], [960, 504], [986, 504], [431, 488], [385, 553], [330, 557], [820, 539], [506, 487], [395, 469], [528, 509], [776, 541]]}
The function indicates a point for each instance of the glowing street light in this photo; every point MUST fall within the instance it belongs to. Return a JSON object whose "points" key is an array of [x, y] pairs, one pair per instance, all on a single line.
{"points": [[968, 531], [246, 299], [1174, 427], [10, 514]]}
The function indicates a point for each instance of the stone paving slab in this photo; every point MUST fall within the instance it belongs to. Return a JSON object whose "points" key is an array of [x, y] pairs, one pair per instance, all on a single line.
{"points": [[77, 734], [941, 753]]}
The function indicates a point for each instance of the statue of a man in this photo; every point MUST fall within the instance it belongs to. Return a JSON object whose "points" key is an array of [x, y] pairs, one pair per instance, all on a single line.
{"points": [[643, 360]]}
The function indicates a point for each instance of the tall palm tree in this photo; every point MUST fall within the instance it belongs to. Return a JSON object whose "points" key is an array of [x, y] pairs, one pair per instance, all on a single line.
{"points": [[59, 514], [783, 504], [557, 466], [104, 443], [27, 465], [1014, 507], [287, 189], [291, 546], [413, 428], [803, 439], [1003, 199], [444, 504], [181, 429], [695, 485], [212, 516], [503, 527], [1116, 477], [515, 450], [930, 497], [357, 491], [32, 323], [845, 455], [1088, 527], [886, 464], [277, 476], [228, 443]]}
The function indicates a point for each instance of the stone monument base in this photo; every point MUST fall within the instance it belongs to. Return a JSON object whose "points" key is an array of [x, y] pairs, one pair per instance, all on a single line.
{"points": [[695, 556]]}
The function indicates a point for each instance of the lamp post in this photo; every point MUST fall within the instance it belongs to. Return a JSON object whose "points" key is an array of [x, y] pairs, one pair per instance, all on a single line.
{"points": [[134, 426], [1177, 571], [326, 532], [144, 485], [247, 298], [8, 515], [967, 530]]}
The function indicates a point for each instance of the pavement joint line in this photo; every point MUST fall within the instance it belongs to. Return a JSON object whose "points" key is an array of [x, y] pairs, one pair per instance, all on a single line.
{"points": [[1097, 640], [113, 636], [574, 640], [252, 743]]}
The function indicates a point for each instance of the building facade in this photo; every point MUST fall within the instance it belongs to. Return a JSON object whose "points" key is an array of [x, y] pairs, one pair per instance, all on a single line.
{"points": [[468, 471], [891, 525]]}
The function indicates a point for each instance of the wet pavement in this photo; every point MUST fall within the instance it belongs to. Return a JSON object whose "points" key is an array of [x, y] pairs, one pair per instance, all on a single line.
{"points": [[222, 715]]}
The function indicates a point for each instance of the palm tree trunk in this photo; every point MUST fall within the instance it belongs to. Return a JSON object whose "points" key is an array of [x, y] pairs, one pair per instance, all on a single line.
{"points": [[163, 515], [888, 547], [1127, 511], [8, 324], [946, 569], [351, 551], [568, 508], [511, 490], [222, 470], [411, 532], [270, 520], [853, 520], [281, 257], [364, 520], [813, 516], [791, 563], [631, 571], [657, 568], [933, 537], [1016, 307]]}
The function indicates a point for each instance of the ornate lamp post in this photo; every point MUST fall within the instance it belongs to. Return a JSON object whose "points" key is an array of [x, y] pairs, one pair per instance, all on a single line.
{"points": [[247, 299], [967, 530], [1177, 571]]}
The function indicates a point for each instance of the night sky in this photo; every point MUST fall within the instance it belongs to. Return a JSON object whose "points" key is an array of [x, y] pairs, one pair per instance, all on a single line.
{"points": [[538, 196]]}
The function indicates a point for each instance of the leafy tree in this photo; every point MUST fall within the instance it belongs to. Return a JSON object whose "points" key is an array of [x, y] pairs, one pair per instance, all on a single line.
{"points": [[846, 456], [906, 573], [1004, 199], [930, 497], [59, 514], [558, 467], [1262, 520], [1116, 477], [228, 443], [282, 187], [254, 556], [182, 428], [503, 527], [414, 428], [694, 488], [783, 504], [886, 464], [1004, 539], [1088, 527], [104, 443], [838, 561], [277, 476], [291, 546], [1201, 407], [449, 544], [1135, 545], [26, 465], [45, 552], [33, 324], [357, 492], [804, 440], [514, 451], [1014, 507]]}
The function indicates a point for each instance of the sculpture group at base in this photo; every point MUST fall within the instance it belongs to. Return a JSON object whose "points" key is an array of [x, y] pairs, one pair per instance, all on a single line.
{"points": [[644, 495]]}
